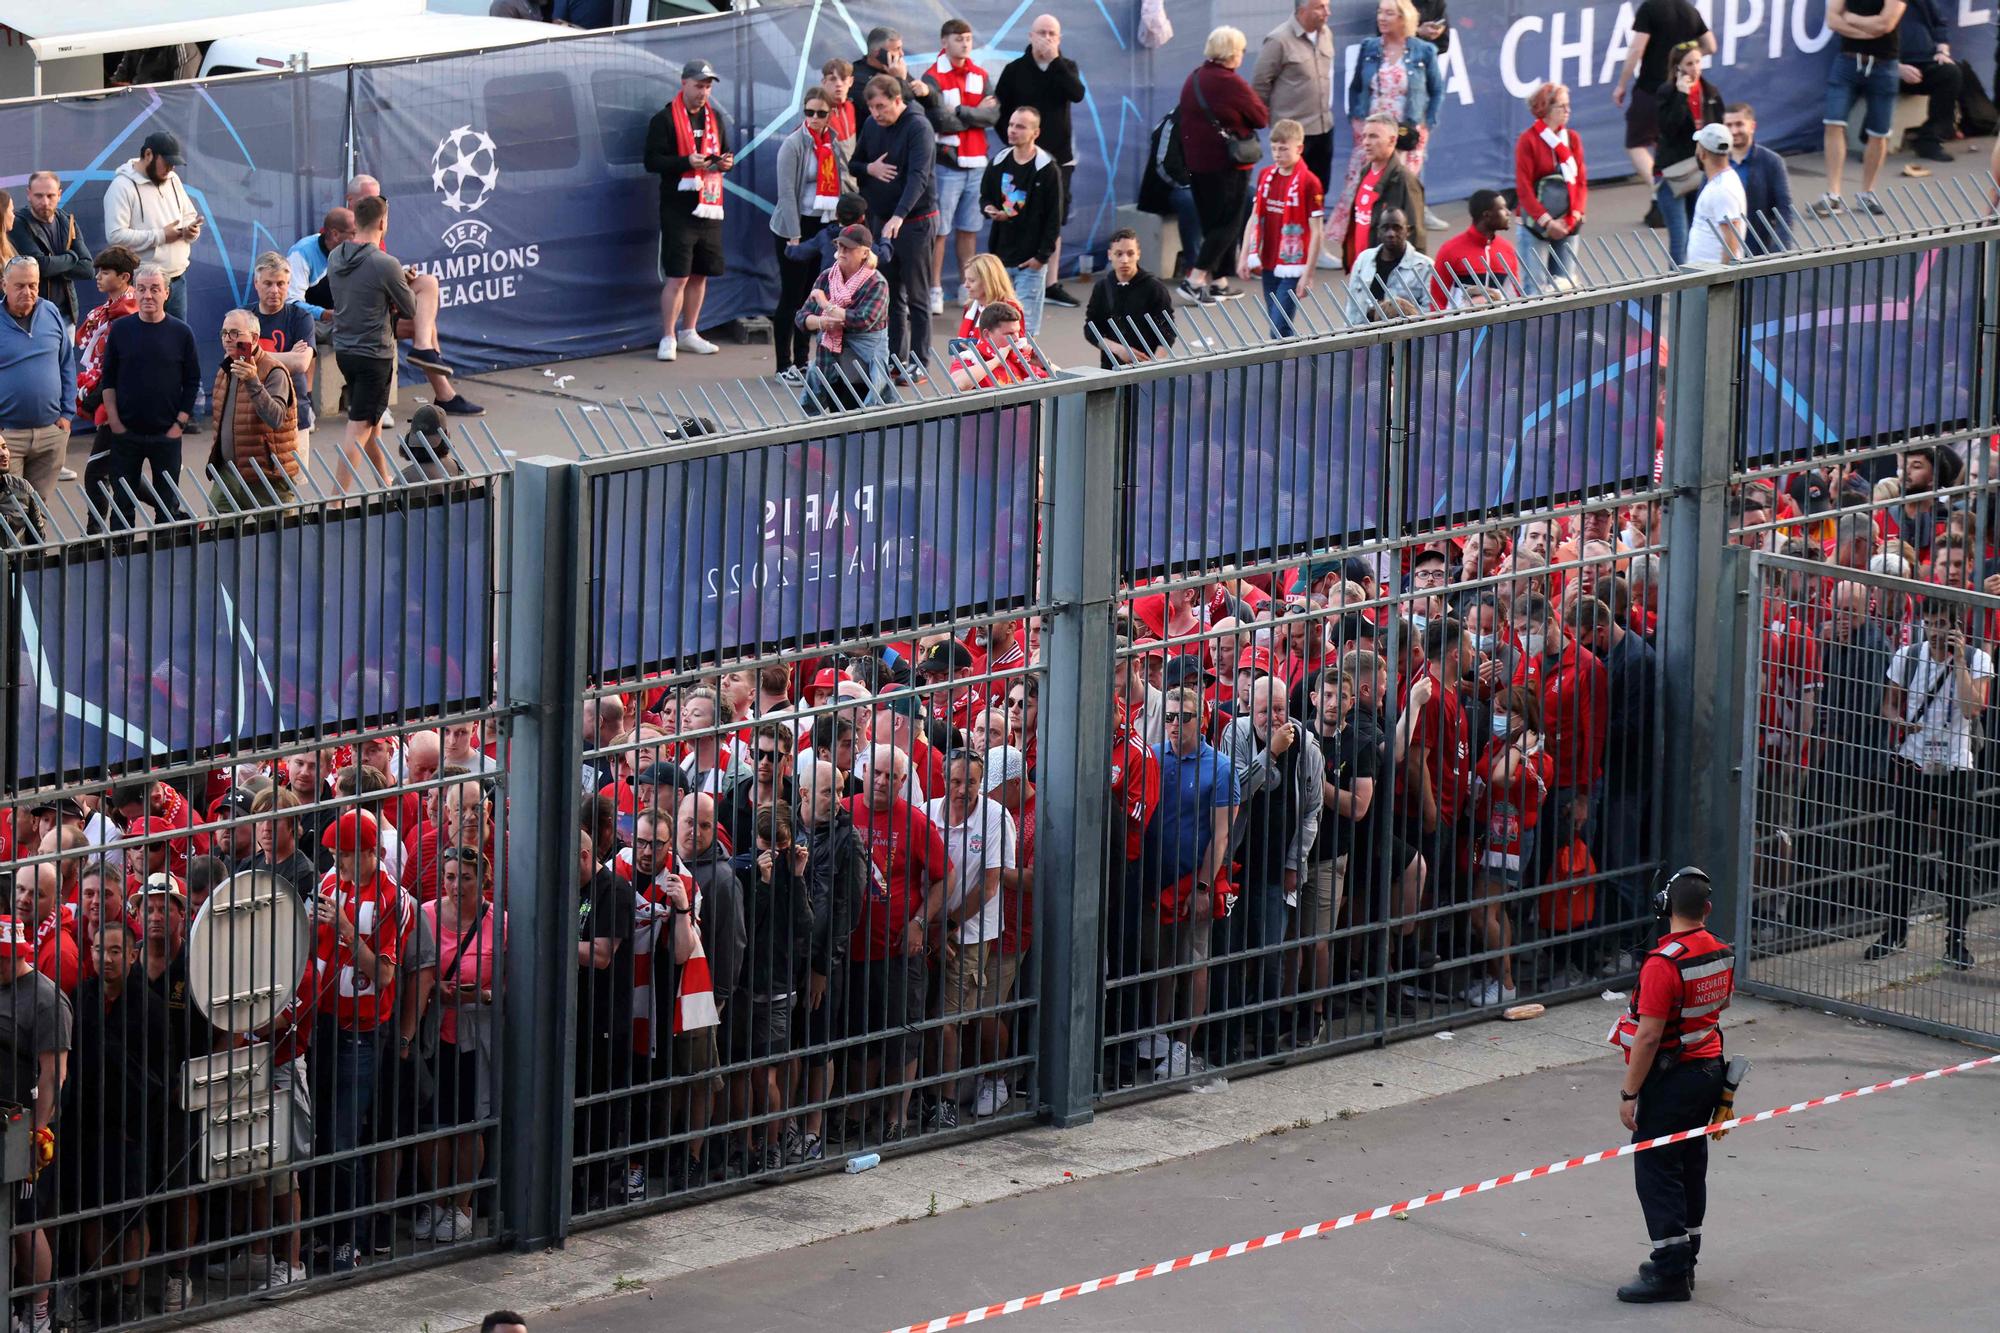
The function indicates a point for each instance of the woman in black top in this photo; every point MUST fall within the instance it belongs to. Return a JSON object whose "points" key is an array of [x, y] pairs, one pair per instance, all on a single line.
{"points": [[1687, 102]]}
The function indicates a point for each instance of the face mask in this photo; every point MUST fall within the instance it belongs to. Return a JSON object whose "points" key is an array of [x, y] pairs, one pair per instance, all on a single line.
{"points": [[1502, 724], [1485, 643], [1531, 644], [1418, 622]]}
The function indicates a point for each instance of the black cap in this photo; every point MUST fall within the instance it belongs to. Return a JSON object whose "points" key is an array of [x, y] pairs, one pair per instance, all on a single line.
{"points": [[237, 801], [1184, 668], [664, 774], [163, 145], [699, 69], [65, 806], [1357, 570], [427, 429], [947, 657]]}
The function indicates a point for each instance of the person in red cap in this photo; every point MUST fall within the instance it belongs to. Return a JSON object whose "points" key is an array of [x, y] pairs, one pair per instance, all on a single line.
{"points": [[359, 933], [34, 1042]]}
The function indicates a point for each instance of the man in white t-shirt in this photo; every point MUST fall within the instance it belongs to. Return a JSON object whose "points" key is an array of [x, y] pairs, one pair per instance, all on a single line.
{"points": [[1721, 207], [1939, 685], [979, 838]]}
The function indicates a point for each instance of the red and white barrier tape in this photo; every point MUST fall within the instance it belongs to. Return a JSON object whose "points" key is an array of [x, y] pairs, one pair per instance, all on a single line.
{"points": [[1130, 1275]]}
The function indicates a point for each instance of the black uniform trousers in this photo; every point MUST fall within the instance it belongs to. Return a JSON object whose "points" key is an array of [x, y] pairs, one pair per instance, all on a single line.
{"points": [[1673, 1181]]}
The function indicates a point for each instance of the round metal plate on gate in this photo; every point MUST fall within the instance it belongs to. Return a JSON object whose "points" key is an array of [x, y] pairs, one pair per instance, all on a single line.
{"points": [[247, 950]]}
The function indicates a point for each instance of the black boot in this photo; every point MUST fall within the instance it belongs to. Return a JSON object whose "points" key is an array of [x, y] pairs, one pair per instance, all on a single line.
{"points": [[1646, 1269], [1653, 1287], [1955, 951]]}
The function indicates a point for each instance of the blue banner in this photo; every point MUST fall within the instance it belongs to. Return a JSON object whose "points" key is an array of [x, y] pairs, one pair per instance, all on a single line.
{"points": [[800, 543], [1241, 463], [264, 162], [1873, 349], [239, 638], [1514, 415]]}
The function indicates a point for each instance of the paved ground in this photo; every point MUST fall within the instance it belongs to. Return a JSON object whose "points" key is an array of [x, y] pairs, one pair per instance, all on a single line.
{"points": [[1863, 1216]]}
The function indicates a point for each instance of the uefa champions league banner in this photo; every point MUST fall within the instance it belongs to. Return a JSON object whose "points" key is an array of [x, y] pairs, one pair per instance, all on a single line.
{"points": [[264, 162], [797, 544], [1871, 349], [242, 637], [1256, 460]]}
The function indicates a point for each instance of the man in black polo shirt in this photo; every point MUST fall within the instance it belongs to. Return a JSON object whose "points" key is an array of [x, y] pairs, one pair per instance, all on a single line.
{"points": [[152, 375]]}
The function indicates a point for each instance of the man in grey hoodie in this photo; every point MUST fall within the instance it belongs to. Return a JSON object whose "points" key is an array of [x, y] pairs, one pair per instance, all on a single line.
{"points": [[370, 294], [147, 210]]}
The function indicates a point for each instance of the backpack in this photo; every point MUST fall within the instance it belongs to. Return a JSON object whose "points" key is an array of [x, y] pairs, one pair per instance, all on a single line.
{"points": [[1165, 151]]}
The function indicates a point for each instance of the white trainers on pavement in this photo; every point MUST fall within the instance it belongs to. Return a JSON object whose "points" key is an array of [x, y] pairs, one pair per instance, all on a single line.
{"points": [[666, 351], [1175, 1065], [993, 1094], [692, 341]]}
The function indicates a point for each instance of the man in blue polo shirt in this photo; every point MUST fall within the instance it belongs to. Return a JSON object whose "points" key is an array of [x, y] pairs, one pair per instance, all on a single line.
{"points": [[37, 377], [1185, 846]]}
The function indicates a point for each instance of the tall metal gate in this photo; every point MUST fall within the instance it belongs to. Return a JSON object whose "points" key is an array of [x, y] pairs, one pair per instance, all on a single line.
{"points": [[1869, 765]]}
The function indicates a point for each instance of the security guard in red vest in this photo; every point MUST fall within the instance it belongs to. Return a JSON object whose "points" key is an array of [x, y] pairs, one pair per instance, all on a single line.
{"points": [[1673, 1079]]}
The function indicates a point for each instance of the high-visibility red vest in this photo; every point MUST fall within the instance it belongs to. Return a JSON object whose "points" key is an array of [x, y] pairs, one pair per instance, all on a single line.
{"points": [[1707, 968]]}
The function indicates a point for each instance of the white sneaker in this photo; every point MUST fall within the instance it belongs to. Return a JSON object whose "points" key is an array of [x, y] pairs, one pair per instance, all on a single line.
{"points": [[1154, 1047], [993, 1094], [1176, 1063], [66, 474], [426, 1224], [1479, 993], [692, 341], [666, 351], [176, 1293], [1509, 994], [937, 300], [283, 1274], [453, 1224], [388, 420], [1330, 260]]}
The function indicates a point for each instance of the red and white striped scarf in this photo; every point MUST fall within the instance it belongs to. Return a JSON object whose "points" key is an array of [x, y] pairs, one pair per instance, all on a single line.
{"points": [[694, 1005], [959, 87], [708, 183], [1559, 144]]}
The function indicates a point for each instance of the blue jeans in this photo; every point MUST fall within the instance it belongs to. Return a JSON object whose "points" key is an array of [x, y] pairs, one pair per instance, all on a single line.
{"points": [[1544, 261], [1678, 210], [343, 1076], [1851, 77], [1028, 283], [858, 376], [1189, 219], [1281, 302], [1268, 918], [177, 297], [1618, 842]]}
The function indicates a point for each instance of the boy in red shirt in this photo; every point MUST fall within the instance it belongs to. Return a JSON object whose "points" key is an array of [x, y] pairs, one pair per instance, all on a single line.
{"points": [[1281, 241]]}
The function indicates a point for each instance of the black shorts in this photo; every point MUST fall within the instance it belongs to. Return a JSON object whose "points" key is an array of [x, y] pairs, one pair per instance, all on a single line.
{"points": [[1069, 191], [690, 246], [771, 1027], [368, 380], [402, 1102], [456, 1101], [816, 1029], [886, 1000], [1642, 118]]}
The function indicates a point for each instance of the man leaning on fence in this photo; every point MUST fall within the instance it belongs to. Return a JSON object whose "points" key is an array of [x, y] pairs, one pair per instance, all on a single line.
{"points": [[37, 377]]}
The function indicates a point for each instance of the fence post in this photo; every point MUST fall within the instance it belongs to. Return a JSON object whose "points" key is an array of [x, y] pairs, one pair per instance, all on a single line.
{"points": [[1701, 636], [546, 631], [1081, 506]]}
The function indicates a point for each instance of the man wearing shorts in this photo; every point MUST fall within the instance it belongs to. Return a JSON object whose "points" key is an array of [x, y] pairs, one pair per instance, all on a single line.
{"points": [[687, 147], [1657, 28], [961, 111], [1865, 68], [370, 293], [1186, 849], [979, 838]]}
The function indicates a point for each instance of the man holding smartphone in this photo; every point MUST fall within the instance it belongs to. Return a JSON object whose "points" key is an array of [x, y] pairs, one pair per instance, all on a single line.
{"points": [[687, 149], [147, 210], [1939, 686]]}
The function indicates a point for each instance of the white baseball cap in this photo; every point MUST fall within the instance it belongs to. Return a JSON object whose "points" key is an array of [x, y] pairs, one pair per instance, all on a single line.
{"points": [[1715, 138]]}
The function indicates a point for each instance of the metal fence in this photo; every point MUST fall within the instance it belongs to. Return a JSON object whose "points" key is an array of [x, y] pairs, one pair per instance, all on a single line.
{"points": [[854, 781]]}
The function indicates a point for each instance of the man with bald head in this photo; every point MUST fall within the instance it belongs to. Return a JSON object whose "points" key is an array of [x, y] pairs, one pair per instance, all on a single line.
{"points": [[1047, 80], [51, 927], [902, 914], [307, 259]]}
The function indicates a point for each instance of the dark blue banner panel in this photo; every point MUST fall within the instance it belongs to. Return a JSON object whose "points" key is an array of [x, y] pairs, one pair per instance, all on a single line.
{"points": [[1862, 351], [1236, 463], [236, 639], [801, 543], [1515, 415]]}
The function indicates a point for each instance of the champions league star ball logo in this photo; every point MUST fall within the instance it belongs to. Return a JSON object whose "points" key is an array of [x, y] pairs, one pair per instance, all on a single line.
{"points": [[465, 169]]}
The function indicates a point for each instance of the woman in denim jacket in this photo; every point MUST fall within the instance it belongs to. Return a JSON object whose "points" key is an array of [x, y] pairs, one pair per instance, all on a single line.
{"points": [[1397, 75]]}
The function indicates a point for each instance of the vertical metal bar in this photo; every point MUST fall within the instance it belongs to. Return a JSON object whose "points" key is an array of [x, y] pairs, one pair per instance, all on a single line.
{"points": [[1697, 621], [544, 598], [1082, 488]]}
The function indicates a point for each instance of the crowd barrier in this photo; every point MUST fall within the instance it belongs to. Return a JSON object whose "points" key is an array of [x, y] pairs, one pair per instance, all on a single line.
{"points": [[519, 180], [786, 795]]}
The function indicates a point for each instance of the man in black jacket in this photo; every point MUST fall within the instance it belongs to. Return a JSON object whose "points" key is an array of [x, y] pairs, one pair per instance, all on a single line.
{"points": [[836, 870], [1022, 192], [1131, 314], [895, 155], [51, 237], [1047, 80]]}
